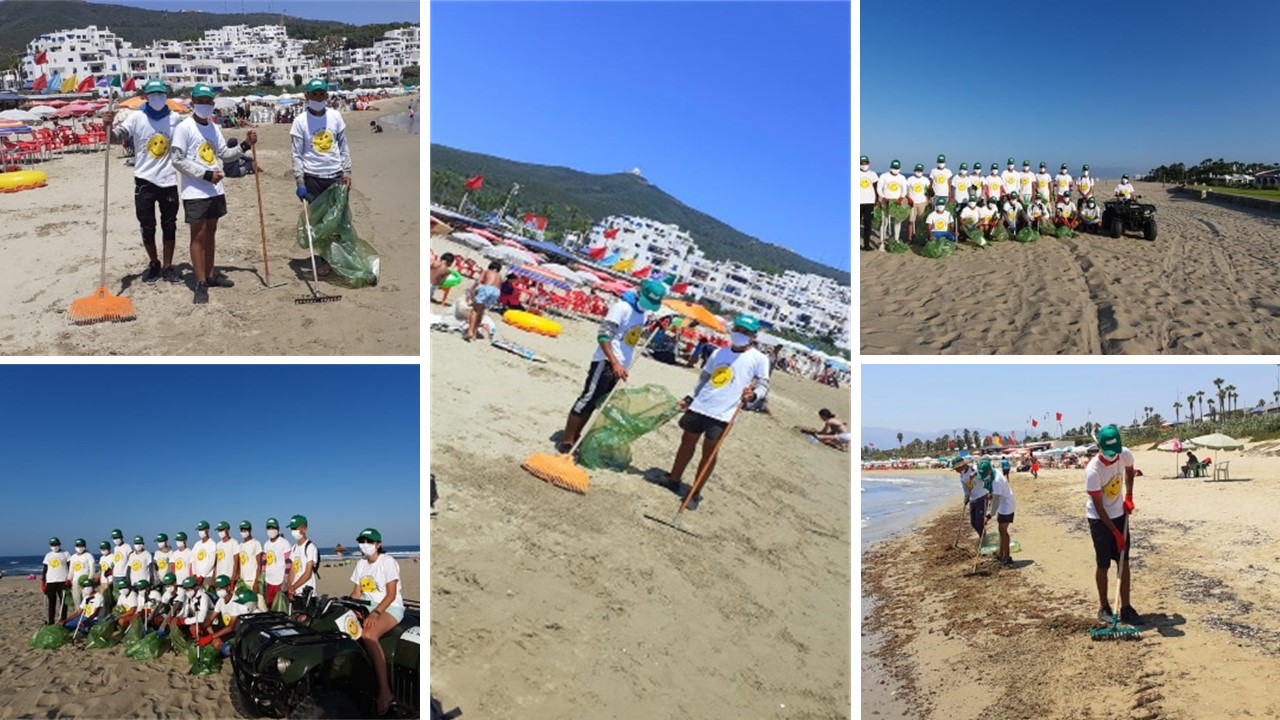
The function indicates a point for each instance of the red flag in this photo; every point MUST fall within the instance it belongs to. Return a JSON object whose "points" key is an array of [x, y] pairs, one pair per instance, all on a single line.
{"points": [[41, 58], [475, 183], [129, 85], [872, 444], [611, 233], [951, 443], [680, 288], [85, 85], [597, 252], [1034, 423], [40, 84], [1059, 417], [641, 273]]}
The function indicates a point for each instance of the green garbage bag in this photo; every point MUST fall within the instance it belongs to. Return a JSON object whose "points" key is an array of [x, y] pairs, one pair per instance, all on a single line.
{"points": [[1026, 235], [999, 233], [895, 246], [938, 248], [899, 212], [335, 238], [876, 216], [1065, 232], [49, 637], [106, 633], [147, 647], [178, 637], [281, 603], [976, 237], [204, 660], [1046, 228], [629, 415], [133, 633]]}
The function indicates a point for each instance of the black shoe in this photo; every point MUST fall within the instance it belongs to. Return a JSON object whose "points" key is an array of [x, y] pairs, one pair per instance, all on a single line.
{"points": [[1104, 615], [670, 483], [171, 274], [695, 502], [221, 280], [202, 294], [1129, 616], [152, 273]]}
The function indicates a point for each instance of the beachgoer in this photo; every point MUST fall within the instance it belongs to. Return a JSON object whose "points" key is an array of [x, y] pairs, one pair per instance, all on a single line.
{"points": [[155, 181], [918, 199], [180, 558], [1091, 216], [892, 189], [941, 224], [376, 581], [1044, 182], [1085, 184], [206, 553], [440, 269], [737, 374], [53, 578], [1124, 190], [250, 556], [1063, 182], [140, 561], [1107, 513], [867, 180], [274, 551], [508, 295], [197, 147], [482, 296], [88, 607], [1067, 212], [321, 158], [162, 557], [1002, 507], [940, 181], [305, 556], [961, 186], [1192, 465], [228, 553], [82, 565], [1011, 179], [1026, 183], [834, 432], [616, 340]]}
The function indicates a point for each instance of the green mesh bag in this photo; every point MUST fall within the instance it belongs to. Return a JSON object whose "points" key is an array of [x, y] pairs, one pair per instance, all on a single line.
{"points": [[1027, 234], [629, 415], [204, 660], [876, 216], [281, 603], [999, 233], [938, 248], [146, 647], [895, 246], [106, 633], [335, 238], [1046, 228], [178, 637], [899, 212], [976, 237], [1065, 232], [49, 637]]}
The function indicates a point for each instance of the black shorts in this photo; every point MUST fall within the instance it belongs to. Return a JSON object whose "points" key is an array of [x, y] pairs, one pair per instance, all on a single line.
{"points": [[698, 424], [600, 382], [1004, 519], [1104, 544], [317, 185], [146, 195], [203, 209]]}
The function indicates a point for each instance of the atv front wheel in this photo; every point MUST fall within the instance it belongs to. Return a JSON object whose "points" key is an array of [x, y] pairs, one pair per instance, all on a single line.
{"points": [[326, 705], [243, 706], [1149, 230], [1117, 227]]}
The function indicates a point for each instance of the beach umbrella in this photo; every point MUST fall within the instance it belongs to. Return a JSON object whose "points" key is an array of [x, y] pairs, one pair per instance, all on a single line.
{"points": [[1175, 446], [471, 240], [570, 276], [223, 103], [43, 110], [286, 101], [616, 287], [540, 275], [58, 103], [22, 116], [510, 255], [588, 277], [1218, 441], [694, 311], [485, 234], [137, 101]]}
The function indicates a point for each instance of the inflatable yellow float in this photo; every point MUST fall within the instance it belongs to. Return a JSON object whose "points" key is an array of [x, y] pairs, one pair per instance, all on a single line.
{"points": [[532, 323], [22, 180]]}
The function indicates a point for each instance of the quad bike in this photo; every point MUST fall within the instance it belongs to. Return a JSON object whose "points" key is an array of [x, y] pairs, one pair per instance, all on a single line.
{"points": [[307, 664], [1119, 216]]}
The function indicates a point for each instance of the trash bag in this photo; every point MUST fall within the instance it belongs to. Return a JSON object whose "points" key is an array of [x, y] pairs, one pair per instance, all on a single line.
{"points": [[1065, 232], [49, 637], [147, 647], [976, 237], [876, 216], [178, 637], [629, 415], [106, 633], [895, 246], [204, 659], [133, 633], [899, 212], [281, 603], [999, 233], [335, 238], [938, 248], [1046, 228], [1026, 235]]}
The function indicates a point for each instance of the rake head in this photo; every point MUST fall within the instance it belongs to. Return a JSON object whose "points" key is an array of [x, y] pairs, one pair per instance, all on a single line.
{"points": [[101, 306], [1114, 632], [558, 470], [317, 298]]}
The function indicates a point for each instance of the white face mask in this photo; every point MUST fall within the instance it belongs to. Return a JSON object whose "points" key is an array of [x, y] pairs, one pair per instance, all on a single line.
{"points": [[738, 339], [119, 542], [79, 550], [126, 592], [1026, 168], [189, 592], [204, 534], [273, 533], [297, 534], [244, 534], [866, 168], [941, 165], [919, 173], [1086, 173], [316, 105], [55, 548], [972, 204], [226, 535], [138, 548], [204, 112], [1010, 167], [156, 101], [182, 544], [893, 170], [368, 549]]}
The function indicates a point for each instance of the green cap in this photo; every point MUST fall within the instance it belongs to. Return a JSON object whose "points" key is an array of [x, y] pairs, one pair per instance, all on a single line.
{"points": [[142, 585], [1064, 166], [80, 542], [747, 323], [297, 521], [121, 583], [155, 86], [85, 581], [246, 525], [315, 84], [223, 525], [54, 541], [137, 540], [202, 525], [104, 545], [1109, 441], [1027, 163], [369, 534], [964, 166], [940, 202], [202, 90], [942, 158], [169, 579], [221, 581], [117, 534], [895, 164], [1010, 161], [245, 596], [273, 523], [188, 582], [984, 468], [1091, 202], [650, 295], [957, 462], [162, 538], [864, 160], [180, 536], [995, 166], [919, 166], [1043, 165], [1086, 167]]}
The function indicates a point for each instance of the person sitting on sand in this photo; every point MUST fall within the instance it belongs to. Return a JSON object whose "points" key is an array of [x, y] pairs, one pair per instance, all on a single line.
{"points": [[88, 610], [917, 198], [970, 216], [1067, 212], [941, 224], [1193, 464], [1002, 507], [834, 432], [376, 580], [318, 142], [164, 598], [988, 215], [616, 342], [374, 127], [230, 606], [196, 606], [1091, 216], [483, 296], [1124, 190], [1037, 212], [439, 270], [135, 602], [1014, 213], [738, 374], [205, 555], [508, 294], [1108, 513]]}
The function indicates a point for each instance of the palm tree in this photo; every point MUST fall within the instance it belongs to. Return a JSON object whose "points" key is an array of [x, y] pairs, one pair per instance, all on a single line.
{"points": [[1200, 394], [1230, 390], [899, 440], [1191, 408], [1177, 415], [1217, 383], [1212, 416]]}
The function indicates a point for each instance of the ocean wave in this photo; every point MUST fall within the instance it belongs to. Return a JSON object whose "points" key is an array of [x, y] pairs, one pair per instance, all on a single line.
{"points": [[890, 480]]}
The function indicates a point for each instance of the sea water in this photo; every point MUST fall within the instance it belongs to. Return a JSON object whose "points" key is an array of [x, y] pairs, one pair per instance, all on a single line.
{"points": [[23, 565], [891, 505]]}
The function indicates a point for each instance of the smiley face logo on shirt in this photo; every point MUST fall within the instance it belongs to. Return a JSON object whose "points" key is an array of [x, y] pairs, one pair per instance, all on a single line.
{"points": [[368, 585], [54, 563], [353, 627], [158, 146], [76, 566], [118, 558], [137, 566], [205, 153], [1112, 489], [633, 336], [221, 555], [226, 619], [865, 183], [244, 558], [721, 376], [322, 143], [200, 554], [893, 187], [271, 558], [162, 564], [177, 564]]}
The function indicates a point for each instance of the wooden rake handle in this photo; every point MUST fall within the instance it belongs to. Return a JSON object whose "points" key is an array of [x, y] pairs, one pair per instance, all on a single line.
{"points": [[705, 472]]}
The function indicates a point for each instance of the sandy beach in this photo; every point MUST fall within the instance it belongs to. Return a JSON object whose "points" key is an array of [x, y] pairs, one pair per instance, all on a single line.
{"points": [[550, 604], [1207, 285], [74, 682], [52, 240], [1014, 642]]}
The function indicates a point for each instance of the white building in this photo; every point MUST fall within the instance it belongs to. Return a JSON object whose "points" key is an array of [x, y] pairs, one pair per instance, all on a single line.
{"points": [[651, 243]]}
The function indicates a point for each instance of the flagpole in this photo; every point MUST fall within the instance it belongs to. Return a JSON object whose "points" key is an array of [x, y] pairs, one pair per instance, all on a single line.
{"points": [[465, 193]]}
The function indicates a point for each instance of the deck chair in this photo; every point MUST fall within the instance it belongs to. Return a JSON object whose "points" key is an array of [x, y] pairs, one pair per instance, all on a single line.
{"points": [[1220, 471]]}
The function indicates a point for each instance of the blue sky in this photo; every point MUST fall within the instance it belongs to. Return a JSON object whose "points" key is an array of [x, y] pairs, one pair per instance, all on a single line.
{"points": [[89, 448], [927, 398], [740, 110], [1173, 81], [363, 12]]}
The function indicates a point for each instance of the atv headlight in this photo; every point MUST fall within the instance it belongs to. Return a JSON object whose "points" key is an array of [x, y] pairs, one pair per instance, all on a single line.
{"points": [[282, 665]]}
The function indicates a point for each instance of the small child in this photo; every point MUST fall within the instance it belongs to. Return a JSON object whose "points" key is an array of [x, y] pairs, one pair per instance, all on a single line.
{"points": [[482, 296]]}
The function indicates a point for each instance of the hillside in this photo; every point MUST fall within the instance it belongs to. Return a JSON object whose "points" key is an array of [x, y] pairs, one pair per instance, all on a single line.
{"points": [[572, 200], [23, 20]]}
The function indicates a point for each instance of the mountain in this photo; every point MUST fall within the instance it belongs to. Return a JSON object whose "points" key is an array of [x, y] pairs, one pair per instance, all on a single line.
{"points": [[887, 438], [572, 199], [21, 21]]}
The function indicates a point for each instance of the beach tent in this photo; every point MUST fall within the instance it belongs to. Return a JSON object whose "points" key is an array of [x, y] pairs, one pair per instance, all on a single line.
{"points": [[471, 240], [1176, 446]]}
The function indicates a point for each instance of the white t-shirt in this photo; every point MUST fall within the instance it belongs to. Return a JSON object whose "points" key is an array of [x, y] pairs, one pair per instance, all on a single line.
{"points": [[1011, 179], [59, 570], [180, 564], [205, 561], [139, 566], [1085, 185], [892, 186], [227, 610], [373, 579], [1124, 190], [1026, 182], [961, 183], [1043, 181], [226, 557], [729, 373], [275, 551], [939, 221], [1062, 181], [82, 565], [917, 187], [1091, 213], [151, 140], [1066, 209], [249, 551], [1012, 207], [1037, 211], [969, 481], [128, 600], [196, 609], [1003, 494], [630, 326], [986, 213], [203, 145], [867, 180], [120, 561], [163, 562], [104, 564], [300, 562], [970, 216], [321, 138], [992, 186], [91, 605], [940, 181], [1110, 480]]}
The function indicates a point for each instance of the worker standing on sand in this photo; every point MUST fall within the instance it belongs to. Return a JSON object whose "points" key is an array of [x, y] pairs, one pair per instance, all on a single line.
{"points": [[1043, 182], [1107, 513], [940, 181], [892, 189], [1002, 507], [960, 186], [867, 180], [1063, 182], [1011, 178], [1085, 184], [1026, 183], [918, 197], [974, 492], [321, 159], [993, 186]]}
